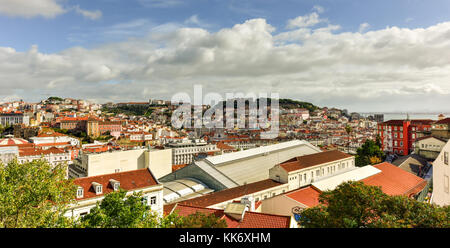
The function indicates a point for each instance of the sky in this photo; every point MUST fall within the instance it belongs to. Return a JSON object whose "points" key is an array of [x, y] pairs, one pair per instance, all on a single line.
{"points": [[364, 56]]}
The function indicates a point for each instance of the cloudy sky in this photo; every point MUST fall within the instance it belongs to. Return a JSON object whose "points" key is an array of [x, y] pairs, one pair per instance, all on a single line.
{"points": [[360, 55]]}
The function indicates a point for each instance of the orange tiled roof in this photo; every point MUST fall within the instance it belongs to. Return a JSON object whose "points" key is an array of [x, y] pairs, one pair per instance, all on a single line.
{"points": [[250, 220], [129, 180], [395, 181], [37, 152], [313, 159], [229, 194], [223, 146], [308, 196]]}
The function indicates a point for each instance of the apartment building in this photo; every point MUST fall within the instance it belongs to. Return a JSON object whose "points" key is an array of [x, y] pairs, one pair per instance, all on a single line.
{"points": [[186, 150], [398, 136], [304, 170], [14, 118], [91, 190]]}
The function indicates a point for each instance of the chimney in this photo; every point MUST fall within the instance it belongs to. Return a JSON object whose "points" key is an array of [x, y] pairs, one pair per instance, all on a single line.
{"points": [[236, 210], [249, 202]]}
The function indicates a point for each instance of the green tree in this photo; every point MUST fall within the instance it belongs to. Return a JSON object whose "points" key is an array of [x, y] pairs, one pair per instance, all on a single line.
{"points": [[353, 204], [201, 220], [117, 210], [34, 194], [369, 152]]}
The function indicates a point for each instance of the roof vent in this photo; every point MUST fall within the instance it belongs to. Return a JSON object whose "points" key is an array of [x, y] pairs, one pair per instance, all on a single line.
{"points": [[236, 210], [249, 202]]}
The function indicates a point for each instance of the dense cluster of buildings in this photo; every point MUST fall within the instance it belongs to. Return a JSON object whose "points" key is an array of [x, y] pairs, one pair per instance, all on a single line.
{"points": [[247, 180]]}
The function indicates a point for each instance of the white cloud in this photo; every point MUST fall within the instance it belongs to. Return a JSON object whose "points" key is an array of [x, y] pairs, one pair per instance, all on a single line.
{"points": [[43, 8], [304, 21], [363, 27], [31, 8], [160, 3], [372, 71], [319, 9], [93, 15]]}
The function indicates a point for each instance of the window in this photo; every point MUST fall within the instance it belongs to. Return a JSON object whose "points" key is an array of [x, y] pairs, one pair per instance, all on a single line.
{"points": [[80, 192], [116, 186], [98, 189], [116, 170], [446, 184], [153, 200], [446, 158], [145, 200]]}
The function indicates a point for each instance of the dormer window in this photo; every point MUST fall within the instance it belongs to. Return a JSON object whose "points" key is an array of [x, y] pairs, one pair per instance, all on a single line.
{"points": [[80, 192], [115, 184], [98, 188]]}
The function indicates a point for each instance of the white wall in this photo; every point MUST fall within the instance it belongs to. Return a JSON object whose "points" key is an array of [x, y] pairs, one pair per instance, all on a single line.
{"points": [[112, 162], [86, 205], [159, 162], [441, 175]]}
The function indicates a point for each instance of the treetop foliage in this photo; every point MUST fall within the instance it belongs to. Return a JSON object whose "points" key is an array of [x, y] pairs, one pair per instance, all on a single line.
{"points": [[356, 205]]}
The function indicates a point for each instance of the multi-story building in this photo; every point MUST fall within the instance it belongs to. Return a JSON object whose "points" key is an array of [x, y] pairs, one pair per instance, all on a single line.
{"points": [[185, 151], [92, 128], [110, 126], [93, 189], [429, 147], [441, 129], [304, 170], [14, 118], [8, 153], [398, 136], [94, 164]]}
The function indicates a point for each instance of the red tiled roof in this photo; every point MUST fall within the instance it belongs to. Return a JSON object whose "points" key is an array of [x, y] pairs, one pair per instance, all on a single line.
{"points": [[313, 159], [223, 146], [422, 122], [250, 220], [395, 181], [13, 142], [444, 121], [129, 180], [393, 123], [53, 144], [230, 194], [37, 152], [50, 134], [309, 196]]}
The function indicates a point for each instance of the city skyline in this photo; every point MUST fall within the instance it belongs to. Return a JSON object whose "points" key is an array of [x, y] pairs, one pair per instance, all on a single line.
{"points": [[331, 53]]}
